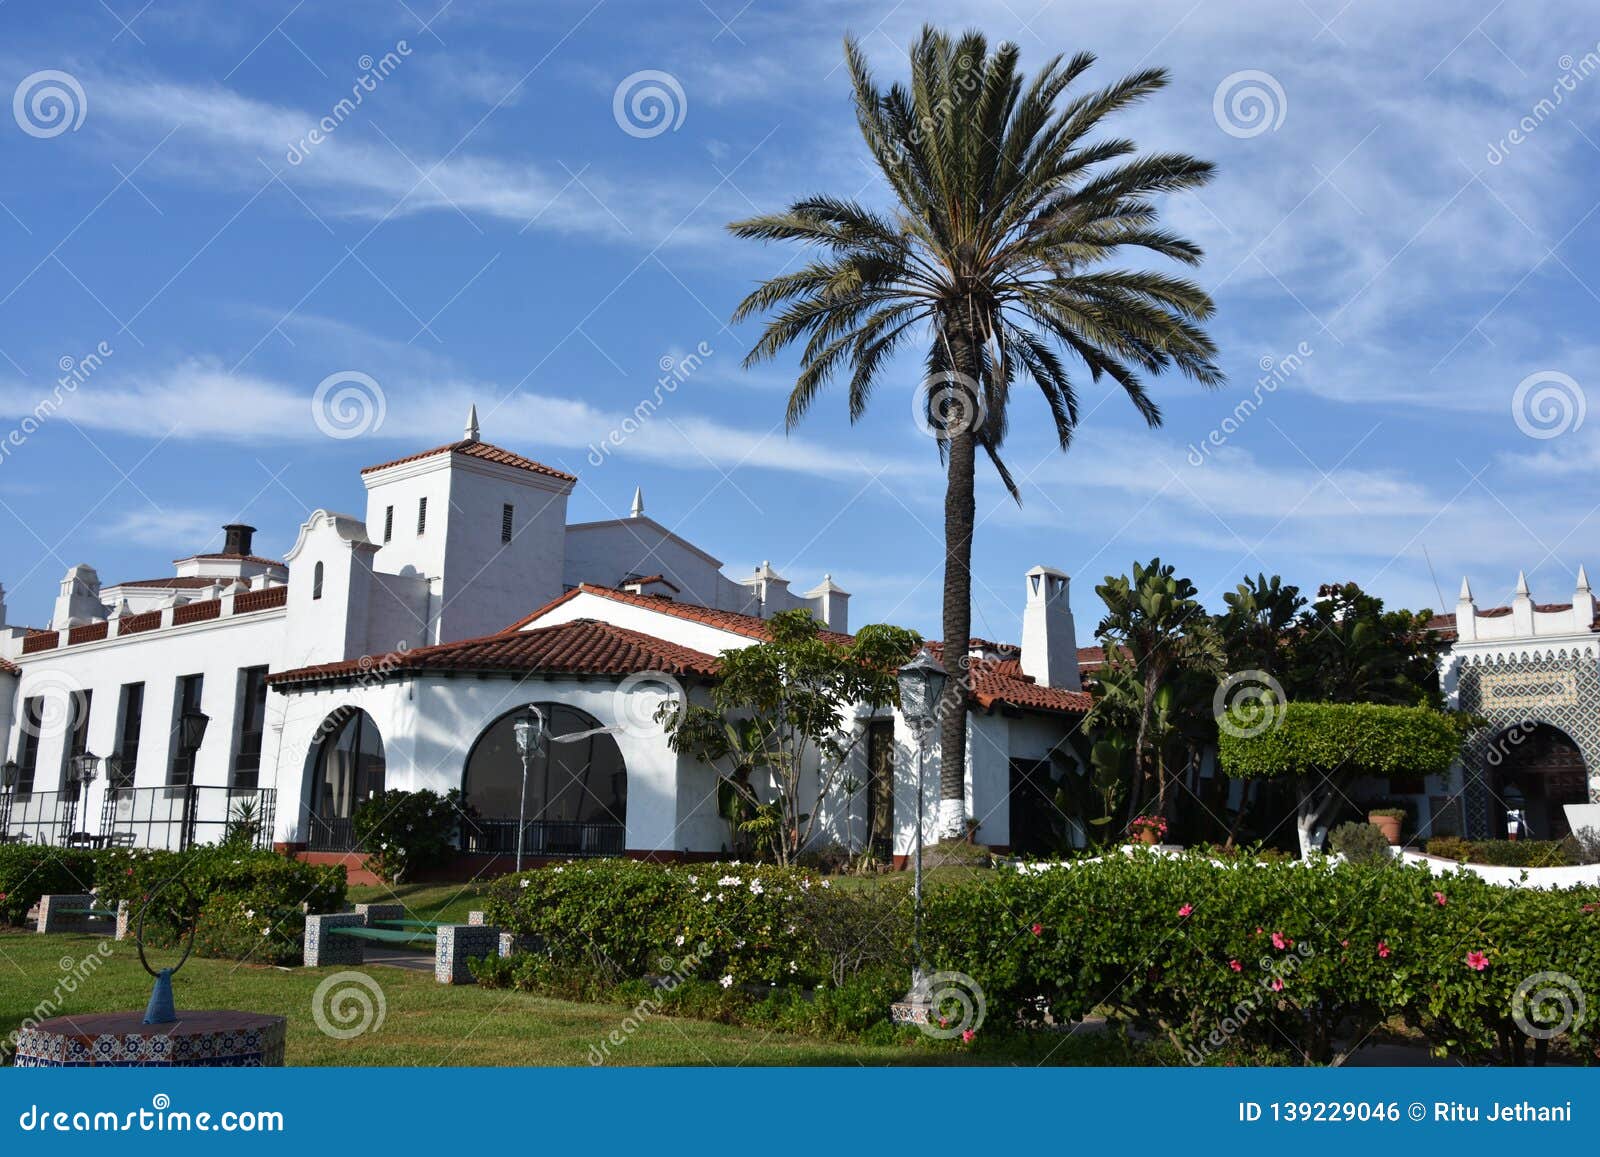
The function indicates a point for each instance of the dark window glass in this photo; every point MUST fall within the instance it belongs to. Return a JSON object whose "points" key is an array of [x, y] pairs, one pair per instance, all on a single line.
{"points": [[132, 714], [252, 723], [28, 746], [388, 523], [422, 515], [350, 765], [316, 581], [507, 513], [182, 771], [77, 744]]}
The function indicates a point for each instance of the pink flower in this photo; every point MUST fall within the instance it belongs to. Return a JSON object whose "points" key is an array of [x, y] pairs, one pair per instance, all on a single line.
{"points": [[1186, 909], [944, 1022], [1037, 929], [1439, 898], [1277, 984], [967, 1034], [1258, 930], [1236, 966], [129, 872], [1278, 941], [1477, 961], [1383, 948]]}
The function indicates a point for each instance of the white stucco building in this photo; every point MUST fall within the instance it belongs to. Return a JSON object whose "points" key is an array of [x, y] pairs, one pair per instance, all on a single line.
{"points": [[391, 650]]}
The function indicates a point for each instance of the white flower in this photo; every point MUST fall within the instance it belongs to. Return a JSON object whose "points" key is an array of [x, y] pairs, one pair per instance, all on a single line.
{"points": [[523, 884], [755, 888], [827, 883], [805, 885], [267, 931], [694, 879], [793, 967], [250, 914], [726, 981], [706, 899], [679, 942], [738, 943]]}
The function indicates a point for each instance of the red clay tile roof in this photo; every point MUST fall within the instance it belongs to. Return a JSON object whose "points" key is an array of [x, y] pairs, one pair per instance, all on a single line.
{"points": [[8, 668], [581, 647], [488, 453], [256, 558], [1446, 624], [1001, 682], [188, 582], [750, 626]]}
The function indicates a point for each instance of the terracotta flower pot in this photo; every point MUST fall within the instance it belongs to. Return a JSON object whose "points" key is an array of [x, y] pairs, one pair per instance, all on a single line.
{"points": [[1147, 835], [1389, 826]]}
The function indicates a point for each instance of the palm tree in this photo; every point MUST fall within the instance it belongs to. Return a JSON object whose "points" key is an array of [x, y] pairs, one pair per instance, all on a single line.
{"points": [[998, 252]]}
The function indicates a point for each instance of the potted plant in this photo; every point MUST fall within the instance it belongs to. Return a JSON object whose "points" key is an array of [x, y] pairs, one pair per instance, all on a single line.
{"points": [[1148, 829], [1387, 820]]}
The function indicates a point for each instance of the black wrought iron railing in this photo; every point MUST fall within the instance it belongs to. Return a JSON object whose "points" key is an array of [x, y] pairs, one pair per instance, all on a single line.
{"points": [[182, 816], [498, 837], [331, 835]]}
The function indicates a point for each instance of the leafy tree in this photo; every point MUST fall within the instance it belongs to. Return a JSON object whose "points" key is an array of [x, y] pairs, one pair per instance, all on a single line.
{"points": [[1154, 630], [1323, 747], [1350, 650], [1259, 628], [779, 732], [999, 262]]}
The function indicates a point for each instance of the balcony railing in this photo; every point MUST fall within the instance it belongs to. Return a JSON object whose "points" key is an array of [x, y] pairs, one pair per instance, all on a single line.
{"points": [[180, 817], [498, 837]]}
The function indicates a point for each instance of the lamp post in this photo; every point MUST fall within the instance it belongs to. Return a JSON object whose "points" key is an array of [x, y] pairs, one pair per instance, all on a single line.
{"points": [[192, 732], [529, 730], [921, 686], [9, 773], [84, 769]]}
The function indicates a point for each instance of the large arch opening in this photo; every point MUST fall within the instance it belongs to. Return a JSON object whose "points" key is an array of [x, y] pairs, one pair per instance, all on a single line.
{"points": [[577, 788], [1535, 770], [348, 769]]}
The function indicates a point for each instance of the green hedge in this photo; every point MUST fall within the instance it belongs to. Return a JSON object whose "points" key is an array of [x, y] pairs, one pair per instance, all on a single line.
{"points": [[1502, 853], [250, 905], [28, 871], [1220, 961], [1259, 954]]}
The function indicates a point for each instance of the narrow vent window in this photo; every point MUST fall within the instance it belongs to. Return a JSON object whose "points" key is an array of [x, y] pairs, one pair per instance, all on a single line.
{"points": [[422, 515], [388, 523], [507, 515]]}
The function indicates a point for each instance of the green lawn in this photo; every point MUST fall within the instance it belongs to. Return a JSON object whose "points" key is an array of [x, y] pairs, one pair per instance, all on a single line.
{"points": [[426, 1023], [447, 903]]}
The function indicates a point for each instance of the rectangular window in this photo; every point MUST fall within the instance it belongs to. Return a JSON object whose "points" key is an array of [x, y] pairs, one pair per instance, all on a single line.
{"points": [[388, 523], [77, 744], [187, 701], [422, 515], [507, 514], [252, 723], [129, 722], [28, 744]]}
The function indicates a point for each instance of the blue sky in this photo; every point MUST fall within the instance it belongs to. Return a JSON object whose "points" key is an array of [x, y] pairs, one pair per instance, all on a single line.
{"points": [[484, 228]]}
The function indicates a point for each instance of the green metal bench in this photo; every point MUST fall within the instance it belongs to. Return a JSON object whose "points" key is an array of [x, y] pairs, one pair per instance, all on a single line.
{"points": [[386, 935]]}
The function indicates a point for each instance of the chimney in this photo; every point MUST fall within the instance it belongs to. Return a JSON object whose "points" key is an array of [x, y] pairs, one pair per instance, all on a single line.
{"points": [[239, 538], [79, 599], [831, 603], [1049, 639]]}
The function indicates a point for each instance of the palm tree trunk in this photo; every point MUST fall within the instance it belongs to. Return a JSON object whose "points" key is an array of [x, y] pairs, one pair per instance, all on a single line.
{"points": [[960, 509]]}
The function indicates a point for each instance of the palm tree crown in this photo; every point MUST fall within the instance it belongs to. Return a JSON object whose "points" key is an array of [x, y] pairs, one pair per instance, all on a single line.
{"points": [[998, 253]]}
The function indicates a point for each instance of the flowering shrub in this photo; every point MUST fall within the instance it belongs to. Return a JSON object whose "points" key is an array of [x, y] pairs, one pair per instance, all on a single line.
{"points": [[249, 905], [405, 832], [1256, 954]]}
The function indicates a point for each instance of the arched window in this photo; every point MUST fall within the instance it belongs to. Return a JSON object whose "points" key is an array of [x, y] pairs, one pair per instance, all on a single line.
{"points": [[316, 581], [577, 797], [349, 765]]}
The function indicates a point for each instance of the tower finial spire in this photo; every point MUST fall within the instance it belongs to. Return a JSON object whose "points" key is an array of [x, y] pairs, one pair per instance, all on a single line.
{"points": [[638, 502], [1466, 591], [1522, 584], [1583, 578], [471, 432]]}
